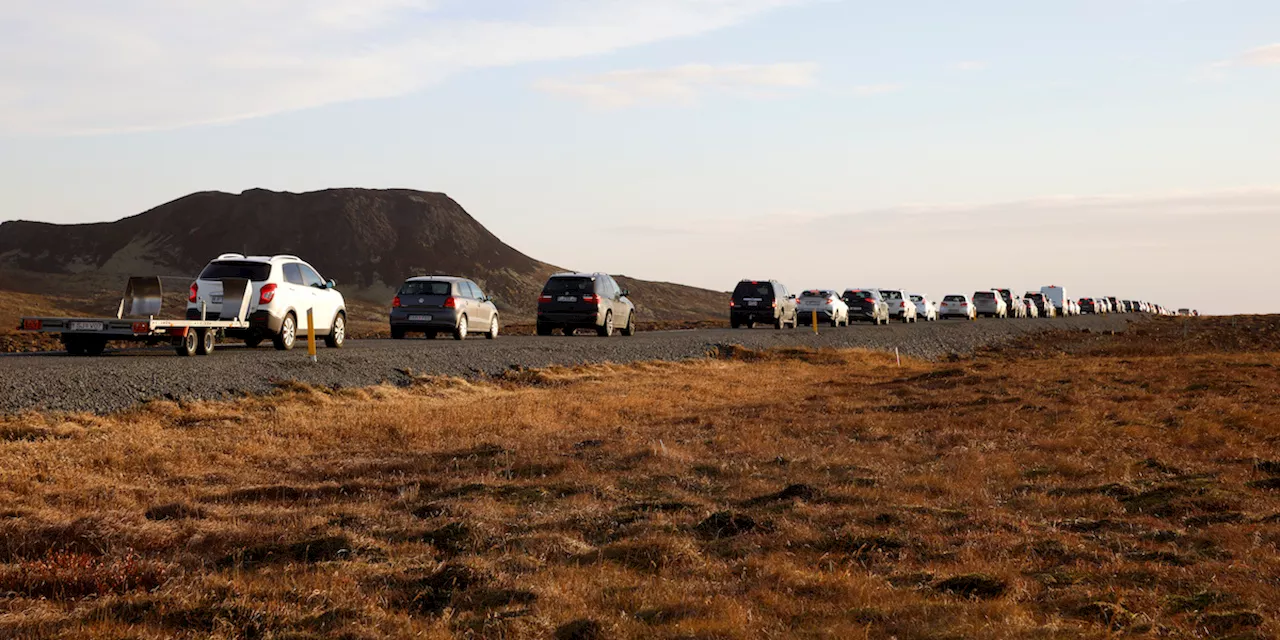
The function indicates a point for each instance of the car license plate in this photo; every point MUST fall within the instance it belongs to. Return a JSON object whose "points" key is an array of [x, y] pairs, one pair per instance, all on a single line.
{"points": [[566, 299], [215, 299], [419, 318], [85, 326]]}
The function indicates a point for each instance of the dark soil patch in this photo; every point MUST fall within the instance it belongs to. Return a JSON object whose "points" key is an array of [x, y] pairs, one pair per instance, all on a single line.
{"points": [[725, 524], [973, 585], [326, 549], [174, 511], [791, 492], [584, 629]]}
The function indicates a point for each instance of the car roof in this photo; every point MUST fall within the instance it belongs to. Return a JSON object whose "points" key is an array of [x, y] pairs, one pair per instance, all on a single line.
{"points": [[240, 257], [437, 278], [577, 274]]}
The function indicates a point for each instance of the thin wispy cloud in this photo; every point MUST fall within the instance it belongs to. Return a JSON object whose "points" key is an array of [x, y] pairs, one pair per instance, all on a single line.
{"points": [[877, 89], [969, 65], [86, 66], [681, 85], [1268, 56]]}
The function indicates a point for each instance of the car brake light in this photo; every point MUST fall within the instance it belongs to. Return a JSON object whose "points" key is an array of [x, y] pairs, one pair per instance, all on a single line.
{"points": [[195, 288], [870, 300], [964, 304], [732, 304], [31, 324], [774, 304], [451, 303], [267, 294], [395, 302], [591, 298], [544, 298], [141, 327]]}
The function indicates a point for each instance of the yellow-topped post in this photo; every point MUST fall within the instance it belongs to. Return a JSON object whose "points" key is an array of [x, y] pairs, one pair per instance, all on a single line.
{"points": [[311, 335], [815, 321]]}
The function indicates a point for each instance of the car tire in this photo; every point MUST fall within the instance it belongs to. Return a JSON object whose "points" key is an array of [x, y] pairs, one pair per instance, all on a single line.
{"points": [[207, 341], [73, 344], [630, 329], [492, 333], [397, 333], [337, 333], [252, 342], [733, 324], [288, 335], [94, 346], [430, 335], [187, 344], [543, 330], [606, 330], [460, 330], [778, 323]]}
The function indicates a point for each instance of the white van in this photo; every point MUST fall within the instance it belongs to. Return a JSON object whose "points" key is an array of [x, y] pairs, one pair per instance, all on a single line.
{"points": [[1058, 296]]}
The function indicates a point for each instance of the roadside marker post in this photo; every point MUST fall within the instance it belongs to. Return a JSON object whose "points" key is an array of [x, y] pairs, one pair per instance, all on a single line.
{"points": [[815, 322], [898, 356], [311, 335]]}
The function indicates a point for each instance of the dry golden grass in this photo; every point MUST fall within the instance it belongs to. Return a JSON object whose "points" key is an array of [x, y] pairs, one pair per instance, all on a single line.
{"points": [[1025, 493]]}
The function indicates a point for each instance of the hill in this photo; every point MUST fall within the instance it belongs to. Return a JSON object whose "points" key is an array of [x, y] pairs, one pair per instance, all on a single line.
{"points": [[367, 240]]}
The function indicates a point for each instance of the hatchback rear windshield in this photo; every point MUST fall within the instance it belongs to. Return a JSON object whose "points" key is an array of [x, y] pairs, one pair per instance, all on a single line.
{"points": [[817, 294], [917, 298], [850, 295], [891, 295], [255, 271], [426, 288], [559, 286], [953, 299], [984, 295], [753, 290]]}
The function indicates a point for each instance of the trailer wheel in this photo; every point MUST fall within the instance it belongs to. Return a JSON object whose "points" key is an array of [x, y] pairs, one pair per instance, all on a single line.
{"points": [[206, 340], [73, 344], [186, 345], [94, 346]]}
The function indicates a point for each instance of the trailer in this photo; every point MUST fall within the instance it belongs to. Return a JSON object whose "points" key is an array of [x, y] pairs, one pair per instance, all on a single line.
{"points": [[136, 321]]}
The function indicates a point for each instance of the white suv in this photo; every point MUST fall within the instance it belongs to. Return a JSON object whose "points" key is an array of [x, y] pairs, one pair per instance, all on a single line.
{"points": [[284, 288]]}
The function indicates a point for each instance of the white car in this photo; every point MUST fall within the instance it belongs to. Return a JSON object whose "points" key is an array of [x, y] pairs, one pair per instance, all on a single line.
{"points": [[957, 306], [826, 303], [284, 288], [1029, 305], [925, 308], [900, 306]]}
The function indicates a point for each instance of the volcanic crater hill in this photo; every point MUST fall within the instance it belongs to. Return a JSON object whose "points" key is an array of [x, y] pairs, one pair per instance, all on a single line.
{"points": [[367, 240]]}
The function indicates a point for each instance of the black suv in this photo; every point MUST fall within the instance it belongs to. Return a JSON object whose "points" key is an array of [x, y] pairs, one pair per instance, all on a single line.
{"points": [[572, 301], [866, 304], [762, 302]]}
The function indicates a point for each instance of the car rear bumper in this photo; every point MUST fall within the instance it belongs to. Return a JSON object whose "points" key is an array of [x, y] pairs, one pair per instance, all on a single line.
{"points": [[807, 314], [571, 318], [752, 315], [440, 319]]}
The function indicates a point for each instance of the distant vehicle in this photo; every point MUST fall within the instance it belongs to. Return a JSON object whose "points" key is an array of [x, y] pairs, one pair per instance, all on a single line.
{"points": [[572, 301], [762, 302], [1032, 311], [957, 306], [432, 305], [867, 304], [989, 303], [283, 289], [827, 304], [1074, 308], [1115, 305], [900, 306], [1088, 306], [1014, 310], [1044, 308], [925, 308], [1058, 296], [1184, 312]]}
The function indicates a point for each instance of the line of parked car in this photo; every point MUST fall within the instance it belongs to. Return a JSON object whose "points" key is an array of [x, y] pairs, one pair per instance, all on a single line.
{"points": [[285, 288], [769, 302]]}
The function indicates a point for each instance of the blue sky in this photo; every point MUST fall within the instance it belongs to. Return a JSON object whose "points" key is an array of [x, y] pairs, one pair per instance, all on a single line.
{"points": [[1115, 146]]}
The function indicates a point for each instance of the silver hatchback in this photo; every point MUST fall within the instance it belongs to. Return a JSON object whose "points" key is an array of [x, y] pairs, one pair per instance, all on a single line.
{"points": [[442, 304]]}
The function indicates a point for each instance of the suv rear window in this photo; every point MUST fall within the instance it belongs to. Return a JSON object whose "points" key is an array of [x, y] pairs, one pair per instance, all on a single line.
{"points": [[954, 299], [917, 298], [891, 295], [255, 271], [762, 290], [558, 286], [426, 288], [984, 295], [816, 293]]}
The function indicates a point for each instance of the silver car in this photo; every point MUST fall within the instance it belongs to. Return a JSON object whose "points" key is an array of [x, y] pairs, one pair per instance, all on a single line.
{"points": [[826, 303], [925, 308], [432, 305], [900, 305], [989, 303]]}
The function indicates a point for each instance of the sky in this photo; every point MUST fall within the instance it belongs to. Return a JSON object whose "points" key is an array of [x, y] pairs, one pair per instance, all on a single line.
{"points": [[1114, 147]]}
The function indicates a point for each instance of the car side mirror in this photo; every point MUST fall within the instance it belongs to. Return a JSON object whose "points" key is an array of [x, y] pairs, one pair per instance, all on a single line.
{"points": [[330, 284], [624, 293]]}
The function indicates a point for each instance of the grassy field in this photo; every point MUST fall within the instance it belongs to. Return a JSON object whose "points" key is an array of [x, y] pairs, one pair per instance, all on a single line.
{"points": [[1081, 486]]}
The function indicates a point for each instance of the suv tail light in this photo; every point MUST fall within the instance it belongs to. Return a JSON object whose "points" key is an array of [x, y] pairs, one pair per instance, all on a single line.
{"points": [[591, 298], [195, 288], [267, 294], [395, 302], [732, 304], [869, 300], [544, 298], [451, 303], [774, 304]]}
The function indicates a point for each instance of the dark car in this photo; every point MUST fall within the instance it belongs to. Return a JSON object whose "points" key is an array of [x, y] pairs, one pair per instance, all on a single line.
{"points": [[432, 305], [572, 301], [1040, 301], [762, 302], [1116, 307], [867, 304], [1087, 305]]}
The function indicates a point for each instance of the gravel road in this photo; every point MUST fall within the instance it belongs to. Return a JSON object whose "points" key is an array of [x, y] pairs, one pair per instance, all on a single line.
{"points": [[119, 379]]}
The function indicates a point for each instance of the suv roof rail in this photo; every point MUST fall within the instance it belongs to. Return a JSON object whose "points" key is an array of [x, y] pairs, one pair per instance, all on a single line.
{"points": [[288, 256], [230, 255]]}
